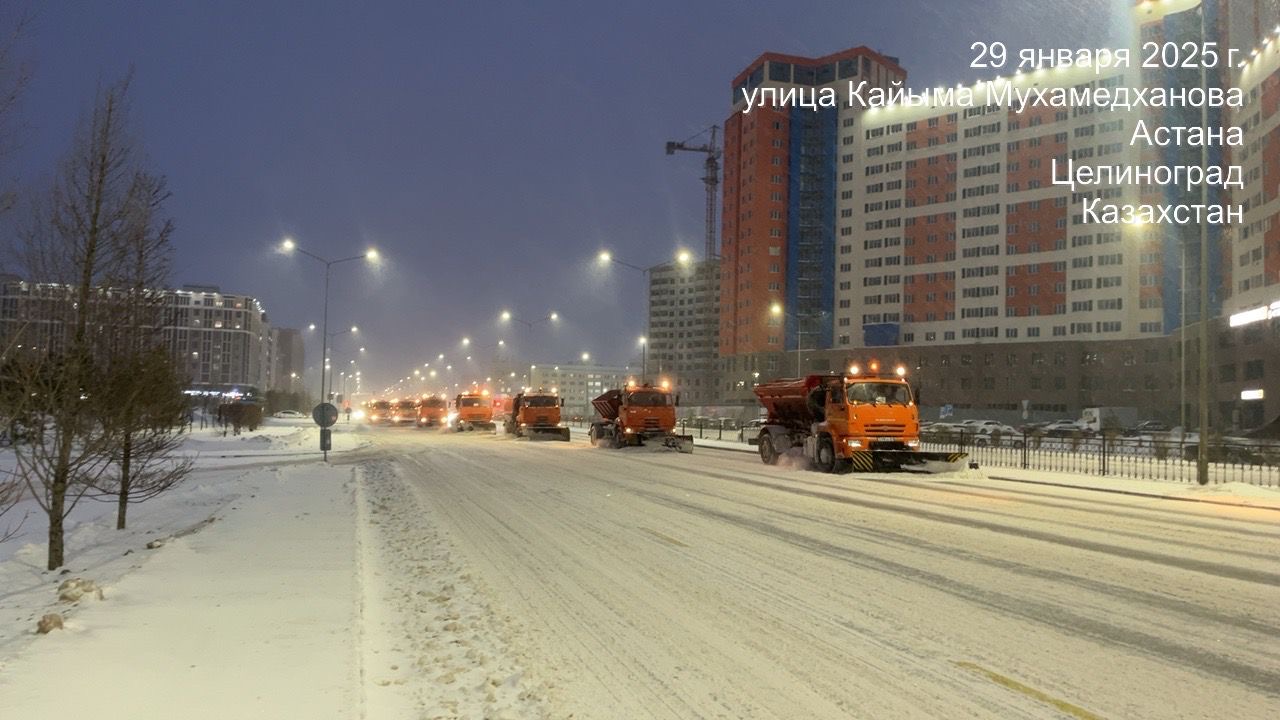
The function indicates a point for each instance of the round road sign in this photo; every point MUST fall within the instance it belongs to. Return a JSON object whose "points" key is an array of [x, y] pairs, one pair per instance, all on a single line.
{"points": [[325, 414]]}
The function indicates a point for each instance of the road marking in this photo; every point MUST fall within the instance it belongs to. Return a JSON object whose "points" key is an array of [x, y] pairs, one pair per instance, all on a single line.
{"points": [[665, 538], [1073, 710]]}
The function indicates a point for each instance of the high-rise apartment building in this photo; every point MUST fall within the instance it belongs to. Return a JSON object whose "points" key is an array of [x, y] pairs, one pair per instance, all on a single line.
{"points": [[684, 329], [289, 355], [779, 212], [954, 251]]}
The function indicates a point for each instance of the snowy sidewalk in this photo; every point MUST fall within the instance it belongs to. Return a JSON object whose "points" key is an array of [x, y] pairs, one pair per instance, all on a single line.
{"points": [[254, 616]]}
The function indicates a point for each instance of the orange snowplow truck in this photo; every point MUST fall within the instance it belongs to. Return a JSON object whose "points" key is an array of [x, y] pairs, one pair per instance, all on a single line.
{"points": [[433, 411], [635, 415], [473, 411], [862, 421], [535, 414]]}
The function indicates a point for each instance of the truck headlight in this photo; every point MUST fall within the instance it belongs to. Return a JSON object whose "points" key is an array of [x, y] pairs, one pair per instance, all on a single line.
{"points": [[854, 442], [914, 443]]}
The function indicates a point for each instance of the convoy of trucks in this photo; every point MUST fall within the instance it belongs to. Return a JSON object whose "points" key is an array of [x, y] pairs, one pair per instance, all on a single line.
{"points": [[637, 414], [864, 420]]}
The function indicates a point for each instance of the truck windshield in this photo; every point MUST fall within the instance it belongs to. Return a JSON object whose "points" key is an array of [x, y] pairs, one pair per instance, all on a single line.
{"points": [[433, 403], [541, 401], [407, 404], [382, 405], [880, 393], [650, 398], [470, 402]]}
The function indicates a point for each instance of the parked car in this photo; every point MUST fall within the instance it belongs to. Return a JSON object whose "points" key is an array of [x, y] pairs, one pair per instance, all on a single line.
{"points": [[1148, 427], [1065, 428], [292, 414], [750, 430], [998, 433], [945, 431]]}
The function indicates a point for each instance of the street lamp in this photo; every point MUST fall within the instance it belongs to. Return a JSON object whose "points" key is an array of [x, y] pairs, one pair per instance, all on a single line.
{"points": [[288, 246], [777, 311], [549, 317], [644, 359]]}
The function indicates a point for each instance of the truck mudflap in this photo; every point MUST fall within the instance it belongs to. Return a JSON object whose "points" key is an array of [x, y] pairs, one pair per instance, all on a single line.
{"points": [[929, 462]]}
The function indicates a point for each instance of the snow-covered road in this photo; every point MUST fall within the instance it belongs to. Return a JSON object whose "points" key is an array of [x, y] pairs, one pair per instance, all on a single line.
{"points": [[433, 575], [639, 584]]}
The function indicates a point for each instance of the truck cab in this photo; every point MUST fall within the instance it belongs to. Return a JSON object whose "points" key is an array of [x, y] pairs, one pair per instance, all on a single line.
{"points": [[647, 409], [404, 411], [536, 413], [433, 411], [379, 411], [473, 411]]}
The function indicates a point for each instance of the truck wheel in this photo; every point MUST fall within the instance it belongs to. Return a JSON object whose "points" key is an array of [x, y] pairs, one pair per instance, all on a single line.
{"points": [[591, 436], [619, 440], [826, 456], [768, 454]]}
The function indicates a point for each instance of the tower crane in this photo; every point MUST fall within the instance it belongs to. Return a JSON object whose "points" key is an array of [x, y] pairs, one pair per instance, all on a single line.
{"points": [[710, 178]]}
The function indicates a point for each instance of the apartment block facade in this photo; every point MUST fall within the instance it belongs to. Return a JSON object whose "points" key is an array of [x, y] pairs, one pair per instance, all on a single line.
{"points": [[683, 341], [955, 252], [221, 341]]}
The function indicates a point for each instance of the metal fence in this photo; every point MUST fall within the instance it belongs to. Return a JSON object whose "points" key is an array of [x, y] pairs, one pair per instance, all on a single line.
{"points": [[1169, 457], [1145, 457]]}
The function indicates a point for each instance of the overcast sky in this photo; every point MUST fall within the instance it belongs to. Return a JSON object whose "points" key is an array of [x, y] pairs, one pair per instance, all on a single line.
{"points": [[488, 150]]}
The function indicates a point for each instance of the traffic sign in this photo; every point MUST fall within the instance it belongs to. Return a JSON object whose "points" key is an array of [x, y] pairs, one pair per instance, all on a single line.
{"points": [[325, 414]]}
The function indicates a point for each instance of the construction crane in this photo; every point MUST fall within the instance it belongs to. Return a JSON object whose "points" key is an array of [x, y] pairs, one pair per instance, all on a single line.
{"points": [[710, 178]]}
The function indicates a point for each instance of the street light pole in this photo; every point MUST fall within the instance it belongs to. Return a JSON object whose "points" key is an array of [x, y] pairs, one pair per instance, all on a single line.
{"points": [[289, 246], [644, 360]]}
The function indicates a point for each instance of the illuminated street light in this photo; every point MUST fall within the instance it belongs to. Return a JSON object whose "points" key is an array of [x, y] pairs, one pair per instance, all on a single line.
{"points": [[371, 255]]}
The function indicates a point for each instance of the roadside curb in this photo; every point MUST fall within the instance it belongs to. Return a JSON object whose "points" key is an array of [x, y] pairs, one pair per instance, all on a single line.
{"points": [[1138, 493]]}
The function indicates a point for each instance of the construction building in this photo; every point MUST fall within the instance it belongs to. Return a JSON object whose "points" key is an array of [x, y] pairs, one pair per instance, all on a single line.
{"points": [[683, 341]]}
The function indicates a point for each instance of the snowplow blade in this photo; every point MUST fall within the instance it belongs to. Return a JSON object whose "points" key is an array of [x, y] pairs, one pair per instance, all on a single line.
{"points": [[926, 462], [551, 433], [681, 443], [936, 462]]}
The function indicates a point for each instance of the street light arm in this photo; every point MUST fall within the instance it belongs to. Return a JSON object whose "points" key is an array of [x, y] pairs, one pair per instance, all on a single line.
{"points": [[349, 259], [309, 254], [627, 264]]}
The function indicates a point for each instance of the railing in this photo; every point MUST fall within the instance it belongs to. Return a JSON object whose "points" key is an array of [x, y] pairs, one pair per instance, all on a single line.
{"points": [[1157, 457]]}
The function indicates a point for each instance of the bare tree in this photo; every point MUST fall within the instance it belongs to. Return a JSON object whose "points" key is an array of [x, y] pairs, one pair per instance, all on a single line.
{"points": [[12, 431], [147, 411], [144, 388], [79, 241], [10, 494]]}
